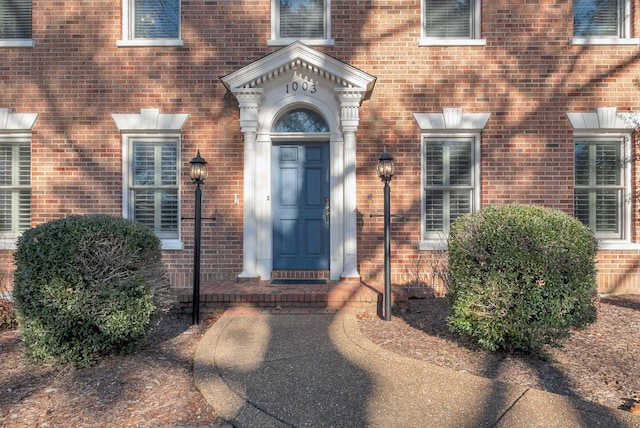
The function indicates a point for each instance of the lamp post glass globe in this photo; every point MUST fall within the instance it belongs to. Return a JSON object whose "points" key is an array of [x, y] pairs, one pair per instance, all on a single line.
{"points": [[385, 167], [198, 171]]}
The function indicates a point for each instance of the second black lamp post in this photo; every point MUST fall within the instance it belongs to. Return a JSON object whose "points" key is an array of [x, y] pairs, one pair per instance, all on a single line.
{"points": [[198, 173], [385, 169]]}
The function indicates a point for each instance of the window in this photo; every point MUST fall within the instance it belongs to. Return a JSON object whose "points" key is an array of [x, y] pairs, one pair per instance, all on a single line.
{"points": [[450, 182], [153, 184], [449, 22], [15, 185], [602, 174], [151, 23], [450, 170], [599, 186], [302, 120], [602, 21], [15, 23], [306, 20]]}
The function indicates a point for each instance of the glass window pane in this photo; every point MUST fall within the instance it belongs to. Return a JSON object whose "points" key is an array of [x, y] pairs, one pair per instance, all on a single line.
{"points": [[302, 18], [156, 19], [155, 180], [595, 18], [460, 163], [607, 211], [15, 19], [302, 120], [434, 210], [448, 18], [434, 163]]}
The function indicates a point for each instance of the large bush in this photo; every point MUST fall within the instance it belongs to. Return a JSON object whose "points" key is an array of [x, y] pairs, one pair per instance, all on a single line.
{"points": [[520, 276], [86, 286]]}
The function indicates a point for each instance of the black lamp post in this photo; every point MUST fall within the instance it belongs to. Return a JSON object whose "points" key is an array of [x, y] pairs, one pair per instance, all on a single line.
{"points": [[198, 173], [385, 169]]}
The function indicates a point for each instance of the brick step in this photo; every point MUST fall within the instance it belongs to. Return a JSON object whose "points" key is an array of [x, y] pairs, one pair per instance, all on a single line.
{"points": [[288, 298]]}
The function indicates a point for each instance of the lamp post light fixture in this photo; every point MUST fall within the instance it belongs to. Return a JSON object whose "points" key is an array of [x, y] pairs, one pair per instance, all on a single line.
{"points": [[385, 169], [198, 173]]}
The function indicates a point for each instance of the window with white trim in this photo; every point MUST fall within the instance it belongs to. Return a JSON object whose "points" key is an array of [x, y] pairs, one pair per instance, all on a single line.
{"points": [[150, 23], [15, 23], [305, 20], [450, 22], [152, 182], [602, 22], [602, 174], [450, 170], [601, 192], [15, 184], [450, 178]]}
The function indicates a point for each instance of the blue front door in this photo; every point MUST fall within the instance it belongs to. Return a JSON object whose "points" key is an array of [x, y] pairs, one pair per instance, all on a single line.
{"points": [[300, 206]]}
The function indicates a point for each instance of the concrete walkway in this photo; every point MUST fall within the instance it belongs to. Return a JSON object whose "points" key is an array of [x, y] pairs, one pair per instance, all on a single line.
{"points": [[263, 370]]}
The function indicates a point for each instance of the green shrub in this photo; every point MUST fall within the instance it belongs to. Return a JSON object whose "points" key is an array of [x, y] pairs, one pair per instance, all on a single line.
{"points": [[520, 276], [86, 286]]}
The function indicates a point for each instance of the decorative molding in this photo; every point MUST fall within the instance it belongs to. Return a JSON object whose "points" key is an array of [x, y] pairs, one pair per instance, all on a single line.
{"points": [[16, 121], [298, 56], [605, 118], [451, 119], [150, 120]]}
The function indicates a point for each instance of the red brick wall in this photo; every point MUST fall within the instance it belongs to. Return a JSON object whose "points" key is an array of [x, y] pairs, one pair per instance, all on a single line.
{"points": [[528, 76]]}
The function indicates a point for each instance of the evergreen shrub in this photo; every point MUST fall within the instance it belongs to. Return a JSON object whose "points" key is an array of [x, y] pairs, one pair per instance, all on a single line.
{"points": [[521, 276], [86, 286]]}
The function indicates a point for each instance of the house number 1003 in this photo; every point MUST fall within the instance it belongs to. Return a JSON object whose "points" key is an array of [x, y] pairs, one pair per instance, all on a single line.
{"points": [[304, 86]]}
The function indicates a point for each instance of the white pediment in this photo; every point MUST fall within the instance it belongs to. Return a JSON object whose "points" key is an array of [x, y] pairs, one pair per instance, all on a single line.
{"points": [[298, 56]]}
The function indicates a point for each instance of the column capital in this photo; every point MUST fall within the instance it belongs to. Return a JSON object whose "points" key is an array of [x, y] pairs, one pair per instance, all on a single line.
{"points": [[249, 102], [350, 100]]}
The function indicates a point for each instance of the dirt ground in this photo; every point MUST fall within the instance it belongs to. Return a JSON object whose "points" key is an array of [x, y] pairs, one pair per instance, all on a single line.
{"points": [[154, 386]]}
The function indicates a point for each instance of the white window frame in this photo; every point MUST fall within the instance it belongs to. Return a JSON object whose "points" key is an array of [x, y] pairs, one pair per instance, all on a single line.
{"points": [[437, 240], [18, 43], [607, 122], [150, 123], [128, 39], [624, 138], [474, 39], [16, 126], [128, 206], [624, 30], [15, 141], [276, 40]]}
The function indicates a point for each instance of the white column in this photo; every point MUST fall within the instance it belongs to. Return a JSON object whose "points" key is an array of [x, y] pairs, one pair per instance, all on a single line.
{"points": [[248, 101], [349, 104]]}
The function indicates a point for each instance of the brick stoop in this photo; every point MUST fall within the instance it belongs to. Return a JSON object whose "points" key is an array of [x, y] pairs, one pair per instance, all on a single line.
{"points": [[331, 297]]}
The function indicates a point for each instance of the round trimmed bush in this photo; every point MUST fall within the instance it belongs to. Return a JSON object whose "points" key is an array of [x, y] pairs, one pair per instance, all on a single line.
{"points": [[520, 276], [86, 286]]}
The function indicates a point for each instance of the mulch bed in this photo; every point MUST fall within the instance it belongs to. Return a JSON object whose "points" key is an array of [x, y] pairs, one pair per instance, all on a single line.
{"points": [[154, 386], [600, 363]]}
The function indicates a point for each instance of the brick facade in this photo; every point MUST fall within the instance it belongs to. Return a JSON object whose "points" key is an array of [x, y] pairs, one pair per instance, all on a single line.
{"points": [[528, 76]]}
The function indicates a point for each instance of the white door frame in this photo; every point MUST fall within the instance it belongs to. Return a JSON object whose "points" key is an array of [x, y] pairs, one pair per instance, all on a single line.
{"points": [[264, 90]]}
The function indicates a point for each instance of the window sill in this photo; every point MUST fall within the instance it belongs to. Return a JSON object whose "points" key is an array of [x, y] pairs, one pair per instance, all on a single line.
{"points": [[308, 42], [149, 43], [16, 43], [172, 244], [604, 41], [444, 41], [8, 243], [617, 245], [439, 245]]}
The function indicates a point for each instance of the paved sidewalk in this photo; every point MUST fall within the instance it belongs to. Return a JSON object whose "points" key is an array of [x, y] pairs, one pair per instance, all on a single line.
{"points": [[263, 370]]}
